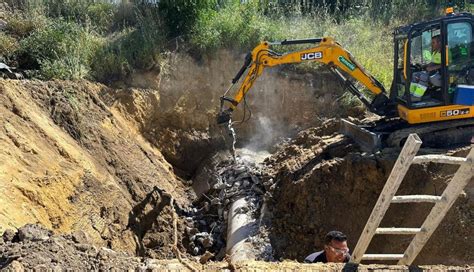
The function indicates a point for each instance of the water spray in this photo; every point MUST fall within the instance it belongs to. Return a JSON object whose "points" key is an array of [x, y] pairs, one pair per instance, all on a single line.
{"points": [[234, 139]]}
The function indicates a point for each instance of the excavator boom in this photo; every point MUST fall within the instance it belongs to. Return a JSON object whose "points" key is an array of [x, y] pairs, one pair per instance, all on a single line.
{"points": [[325, 51], [439, 121]]}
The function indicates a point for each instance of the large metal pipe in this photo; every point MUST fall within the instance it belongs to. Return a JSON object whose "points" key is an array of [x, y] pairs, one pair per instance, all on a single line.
{"points": [[240, 226]]}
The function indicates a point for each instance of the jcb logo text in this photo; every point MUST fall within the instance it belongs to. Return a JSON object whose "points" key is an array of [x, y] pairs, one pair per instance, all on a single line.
{"points": [[312, 55]]}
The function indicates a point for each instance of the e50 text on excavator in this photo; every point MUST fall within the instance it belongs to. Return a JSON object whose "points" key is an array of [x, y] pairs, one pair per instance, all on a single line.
{"points": [[436, 103]]}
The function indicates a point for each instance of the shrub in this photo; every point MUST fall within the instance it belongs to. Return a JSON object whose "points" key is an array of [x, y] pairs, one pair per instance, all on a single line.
{"points": [[8, 46], [125, 16], [141, 46], [101, 16], [98, 14], [109, 65], [234, 26], [179, 16], [70, 66], [22, 24], [370, 43], [61, 49], [71, 10], [134, 48]]}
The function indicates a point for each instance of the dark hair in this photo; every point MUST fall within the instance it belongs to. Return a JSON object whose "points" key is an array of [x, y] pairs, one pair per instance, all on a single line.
{"points": [[334, 235]]}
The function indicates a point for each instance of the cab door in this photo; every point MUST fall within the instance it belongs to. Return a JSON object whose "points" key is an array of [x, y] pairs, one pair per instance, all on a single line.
{"points": [[460, 65], [413, 68]]}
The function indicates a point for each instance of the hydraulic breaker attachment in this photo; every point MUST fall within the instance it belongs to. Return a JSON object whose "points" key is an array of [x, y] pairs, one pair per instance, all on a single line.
{"points": [[223, 117]]}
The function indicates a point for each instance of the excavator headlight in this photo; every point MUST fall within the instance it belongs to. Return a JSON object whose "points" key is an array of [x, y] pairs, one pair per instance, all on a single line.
{"points": [[449, 10]]}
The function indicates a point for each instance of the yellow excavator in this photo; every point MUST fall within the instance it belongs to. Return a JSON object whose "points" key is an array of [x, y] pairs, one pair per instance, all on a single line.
{"points": [[443, 115]]}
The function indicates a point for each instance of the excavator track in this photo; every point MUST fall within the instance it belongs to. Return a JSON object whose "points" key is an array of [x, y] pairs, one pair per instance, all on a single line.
{"points": [[394, 132], [442, 134]]}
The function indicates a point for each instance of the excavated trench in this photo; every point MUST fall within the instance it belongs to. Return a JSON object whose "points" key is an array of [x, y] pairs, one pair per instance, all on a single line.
{"points": [[316, 180], [309, 182], [294, 177], [320, 181]]}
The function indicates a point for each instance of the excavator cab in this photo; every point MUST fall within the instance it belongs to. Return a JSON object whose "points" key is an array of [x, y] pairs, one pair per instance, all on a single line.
{"points": [[434, 69]]}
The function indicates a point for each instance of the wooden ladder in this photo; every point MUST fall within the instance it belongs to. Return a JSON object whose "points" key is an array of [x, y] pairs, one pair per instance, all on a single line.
{"points": [[442, 203]]}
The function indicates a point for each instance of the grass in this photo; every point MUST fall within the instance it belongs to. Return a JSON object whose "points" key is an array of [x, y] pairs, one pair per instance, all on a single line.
{"points": [[370, 43], [241, 27], [22, 24], [235, 26], [101, 40], [82, 39], [134, 48], [61, 49]]}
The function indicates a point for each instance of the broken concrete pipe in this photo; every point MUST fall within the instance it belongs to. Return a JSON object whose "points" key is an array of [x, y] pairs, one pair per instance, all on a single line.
{"points": [[240, 227], [233, 189]]}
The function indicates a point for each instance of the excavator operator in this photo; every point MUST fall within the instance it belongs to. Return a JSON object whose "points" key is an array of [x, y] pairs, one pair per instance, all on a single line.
{"points": [[430, 76], [435, 54]]}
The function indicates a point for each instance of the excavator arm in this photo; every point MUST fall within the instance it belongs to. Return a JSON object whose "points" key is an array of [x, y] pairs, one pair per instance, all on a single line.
{"points": [[326, 51]]}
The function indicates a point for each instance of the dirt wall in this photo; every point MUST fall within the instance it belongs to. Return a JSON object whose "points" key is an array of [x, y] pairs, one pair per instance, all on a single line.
{"points": [[325, 183], [71, 163], [282, 102]]}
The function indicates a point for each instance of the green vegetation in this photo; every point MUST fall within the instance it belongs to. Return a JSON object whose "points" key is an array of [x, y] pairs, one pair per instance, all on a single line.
{"points": [[179, 16], [234, 26], [22, 24], [8, 45], [242, 26], [61, 49], [370, 43], [134, 47], [108, 40]]}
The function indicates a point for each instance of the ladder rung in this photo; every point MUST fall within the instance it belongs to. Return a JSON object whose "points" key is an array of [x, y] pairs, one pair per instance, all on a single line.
{"points": [[440, 159], [398, 230], [416, 198], [373, 257]]}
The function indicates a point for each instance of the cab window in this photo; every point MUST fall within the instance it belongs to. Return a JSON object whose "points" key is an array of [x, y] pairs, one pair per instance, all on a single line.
{"points": [[421, 55], [400, 81], [422, 48], [460, 45]]}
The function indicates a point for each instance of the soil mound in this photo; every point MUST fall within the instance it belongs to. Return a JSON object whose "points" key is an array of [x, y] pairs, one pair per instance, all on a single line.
{"points": [[40, 250]]}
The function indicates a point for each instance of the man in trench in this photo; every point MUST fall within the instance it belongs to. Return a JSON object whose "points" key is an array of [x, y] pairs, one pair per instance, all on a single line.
{"points": [[335, 250]]}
